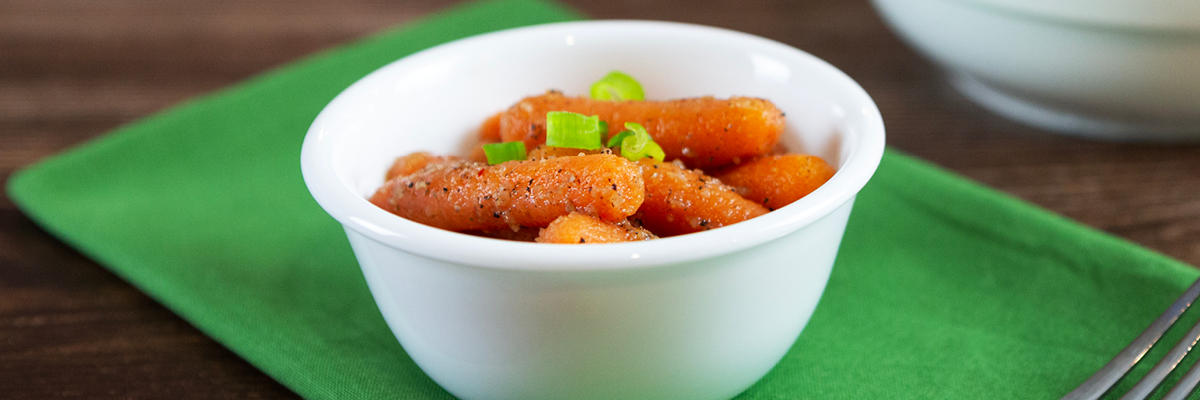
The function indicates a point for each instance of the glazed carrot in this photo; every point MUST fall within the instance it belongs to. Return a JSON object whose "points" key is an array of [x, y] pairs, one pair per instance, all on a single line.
{"points": [[489, 132], [544, 151], [703, 132], [477, 155], [472, 196], [575, 228], [414, 162], [776, 181], [679, 201], [519, 235]]}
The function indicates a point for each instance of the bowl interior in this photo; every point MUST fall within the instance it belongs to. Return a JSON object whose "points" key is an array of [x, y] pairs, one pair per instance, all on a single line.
{"points": [[436, 100]]}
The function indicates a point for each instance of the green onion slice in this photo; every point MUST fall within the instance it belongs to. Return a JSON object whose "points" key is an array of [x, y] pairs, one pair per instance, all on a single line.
{"points": [[637, 129], [577, 131], [637, 144], [500, 152], [617, 86], [615, 141]]}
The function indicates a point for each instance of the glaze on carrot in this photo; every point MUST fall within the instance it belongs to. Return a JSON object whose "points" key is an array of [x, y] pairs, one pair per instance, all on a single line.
{"points": [[776, 181], [407, 165], [576, 228], [544, 151], [489, 132], [526, 234], [467, 195], [703, 132], [679, 201]]}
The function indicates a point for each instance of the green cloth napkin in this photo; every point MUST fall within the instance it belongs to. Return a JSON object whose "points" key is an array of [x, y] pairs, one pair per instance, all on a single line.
{"points": [[942, 289]]}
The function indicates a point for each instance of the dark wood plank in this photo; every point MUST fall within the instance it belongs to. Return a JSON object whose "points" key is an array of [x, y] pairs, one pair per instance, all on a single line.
{"points": [[73, 69]]}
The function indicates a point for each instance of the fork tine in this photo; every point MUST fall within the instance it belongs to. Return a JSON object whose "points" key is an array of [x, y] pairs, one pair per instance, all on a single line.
{"points": [[1164, 366], [1102, 380], [1185, 385]]}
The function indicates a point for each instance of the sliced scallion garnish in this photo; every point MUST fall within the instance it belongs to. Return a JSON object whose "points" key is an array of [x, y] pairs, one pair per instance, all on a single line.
{"points": [[576, 131], [636, 143], [500, 152], [615, 141], [617, 86]]}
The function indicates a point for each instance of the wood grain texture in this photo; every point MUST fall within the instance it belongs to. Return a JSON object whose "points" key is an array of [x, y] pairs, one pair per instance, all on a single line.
{"points": [[73, 69]]}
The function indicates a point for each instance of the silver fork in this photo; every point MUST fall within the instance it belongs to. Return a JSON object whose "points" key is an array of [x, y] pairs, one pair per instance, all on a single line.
{"points": [[1112, 372]]}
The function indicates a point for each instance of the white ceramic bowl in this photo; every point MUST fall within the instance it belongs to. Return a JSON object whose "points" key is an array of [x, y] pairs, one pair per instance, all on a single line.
{"points": [[700, 316], [1110, 69]]}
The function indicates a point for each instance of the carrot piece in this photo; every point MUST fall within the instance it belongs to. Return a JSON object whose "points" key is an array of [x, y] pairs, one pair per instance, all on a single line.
{"points": [[472, 196], [519, 235], [407, 165], [703, 132], [576, 228], [776, 181], [679, 201], [544, 151], [477, 154], [489, 132]]}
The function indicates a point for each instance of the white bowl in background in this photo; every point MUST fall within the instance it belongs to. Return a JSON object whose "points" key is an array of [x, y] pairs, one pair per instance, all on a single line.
{"points": [[699, 316], [1108, 69]]}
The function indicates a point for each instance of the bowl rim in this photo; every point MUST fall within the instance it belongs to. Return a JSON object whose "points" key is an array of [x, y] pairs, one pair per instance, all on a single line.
{"points": [[1128, 15], [357, 214]]}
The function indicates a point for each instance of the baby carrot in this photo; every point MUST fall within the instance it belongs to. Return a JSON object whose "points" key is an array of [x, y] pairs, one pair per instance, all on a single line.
{"points": [[703, 132], [544, 151], [679, 201], [776, 181], [414, 162], [489, 132], [466, 195], [520, 235], [576, 228]]}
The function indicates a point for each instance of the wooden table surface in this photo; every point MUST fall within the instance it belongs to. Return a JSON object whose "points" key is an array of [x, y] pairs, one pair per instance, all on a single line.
{"points": [[71, 70]]}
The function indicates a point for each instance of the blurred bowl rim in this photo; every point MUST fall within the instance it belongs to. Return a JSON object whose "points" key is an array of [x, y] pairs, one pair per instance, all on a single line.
{"points": [[1164, 16]]}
